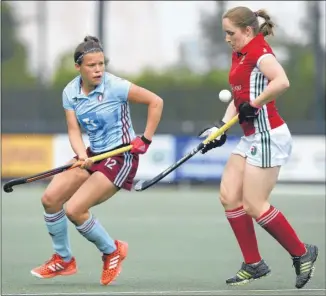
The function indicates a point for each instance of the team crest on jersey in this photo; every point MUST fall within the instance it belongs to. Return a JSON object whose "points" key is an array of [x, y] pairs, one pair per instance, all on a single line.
{"points": [[253, 150], [100, 98]]}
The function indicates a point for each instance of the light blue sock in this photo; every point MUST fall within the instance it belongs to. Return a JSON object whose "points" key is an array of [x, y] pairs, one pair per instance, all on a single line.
{"points": [[95, 233], [58, 230]]}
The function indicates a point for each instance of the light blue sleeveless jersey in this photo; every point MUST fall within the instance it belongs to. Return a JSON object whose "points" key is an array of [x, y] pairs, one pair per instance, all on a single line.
{"points": [[104, 114]]}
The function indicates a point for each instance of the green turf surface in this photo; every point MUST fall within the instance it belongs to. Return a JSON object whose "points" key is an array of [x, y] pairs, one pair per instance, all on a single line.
{"points": [[179, 242]]}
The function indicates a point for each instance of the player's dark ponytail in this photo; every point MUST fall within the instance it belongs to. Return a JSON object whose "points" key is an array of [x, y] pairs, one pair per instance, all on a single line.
{"points": [[91, 38]]}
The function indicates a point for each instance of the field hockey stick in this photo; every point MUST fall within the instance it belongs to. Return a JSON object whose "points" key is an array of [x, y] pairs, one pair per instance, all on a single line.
{"points": [[142, 185], [8, 187]]}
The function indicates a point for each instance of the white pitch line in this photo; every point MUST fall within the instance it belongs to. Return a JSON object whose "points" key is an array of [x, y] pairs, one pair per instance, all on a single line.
{"points": [[208, 292]]}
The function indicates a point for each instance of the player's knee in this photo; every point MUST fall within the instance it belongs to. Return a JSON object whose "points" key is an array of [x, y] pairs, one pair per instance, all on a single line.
{"points": [[75, 214], [50, 201], [72, 212], [223, 199], [249, 208], [255, 205], [228, 198], [254, 210], [223, 194]]}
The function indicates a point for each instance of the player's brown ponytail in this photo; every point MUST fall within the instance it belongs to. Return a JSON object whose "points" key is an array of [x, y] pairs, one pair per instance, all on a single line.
{"points": [[243, 17], [267, 27]]}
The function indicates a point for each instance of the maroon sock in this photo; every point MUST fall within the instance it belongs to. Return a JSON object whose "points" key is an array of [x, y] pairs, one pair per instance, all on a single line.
{"points": [[277, 226], [243, 228]]}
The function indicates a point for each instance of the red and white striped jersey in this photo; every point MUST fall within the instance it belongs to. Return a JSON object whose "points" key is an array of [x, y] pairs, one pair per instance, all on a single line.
{"points": [[247, 82]]}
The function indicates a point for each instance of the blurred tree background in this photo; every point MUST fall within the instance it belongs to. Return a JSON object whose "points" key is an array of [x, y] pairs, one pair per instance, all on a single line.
{"points": [[13, 53], [185, 91]]}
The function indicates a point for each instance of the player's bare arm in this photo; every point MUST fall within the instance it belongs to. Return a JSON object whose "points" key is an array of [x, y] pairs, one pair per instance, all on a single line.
{"points": [[279, 82], [75, 135], [141, 95], [230, 112]]}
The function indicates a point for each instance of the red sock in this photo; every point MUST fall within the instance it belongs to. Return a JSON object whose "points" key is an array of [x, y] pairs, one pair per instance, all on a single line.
{"points": [[277, 226], [243, 228]]}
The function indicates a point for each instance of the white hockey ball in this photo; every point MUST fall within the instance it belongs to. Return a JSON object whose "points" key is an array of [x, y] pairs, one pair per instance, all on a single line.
{"points": [[225, 95]]}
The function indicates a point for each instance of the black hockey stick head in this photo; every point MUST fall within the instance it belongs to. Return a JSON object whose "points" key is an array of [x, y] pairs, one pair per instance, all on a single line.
{"points": [[8, 187]]}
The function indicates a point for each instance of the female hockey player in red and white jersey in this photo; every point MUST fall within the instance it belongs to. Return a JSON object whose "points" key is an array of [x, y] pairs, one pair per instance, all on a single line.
{"points": [[256, 79]]}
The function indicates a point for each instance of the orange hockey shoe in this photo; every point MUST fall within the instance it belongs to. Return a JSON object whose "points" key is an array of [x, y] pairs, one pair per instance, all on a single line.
{"points": [[112, 263], [54, 267]]}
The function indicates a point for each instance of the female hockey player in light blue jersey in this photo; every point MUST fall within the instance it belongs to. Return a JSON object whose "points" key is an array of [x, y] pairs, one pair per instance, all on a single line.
{"points": [[98, 102]]}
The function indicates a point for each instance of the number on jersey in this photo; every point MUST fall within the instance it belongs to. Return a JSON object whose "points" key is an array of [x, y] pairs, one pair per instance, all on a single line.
{"points": [[110, 163]]}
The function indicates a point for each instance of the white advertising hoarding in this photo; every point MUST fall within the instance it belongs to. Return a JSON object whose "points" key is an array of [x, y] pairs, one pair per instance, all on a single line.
{"points": [[62, 149], [307, 162]]}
